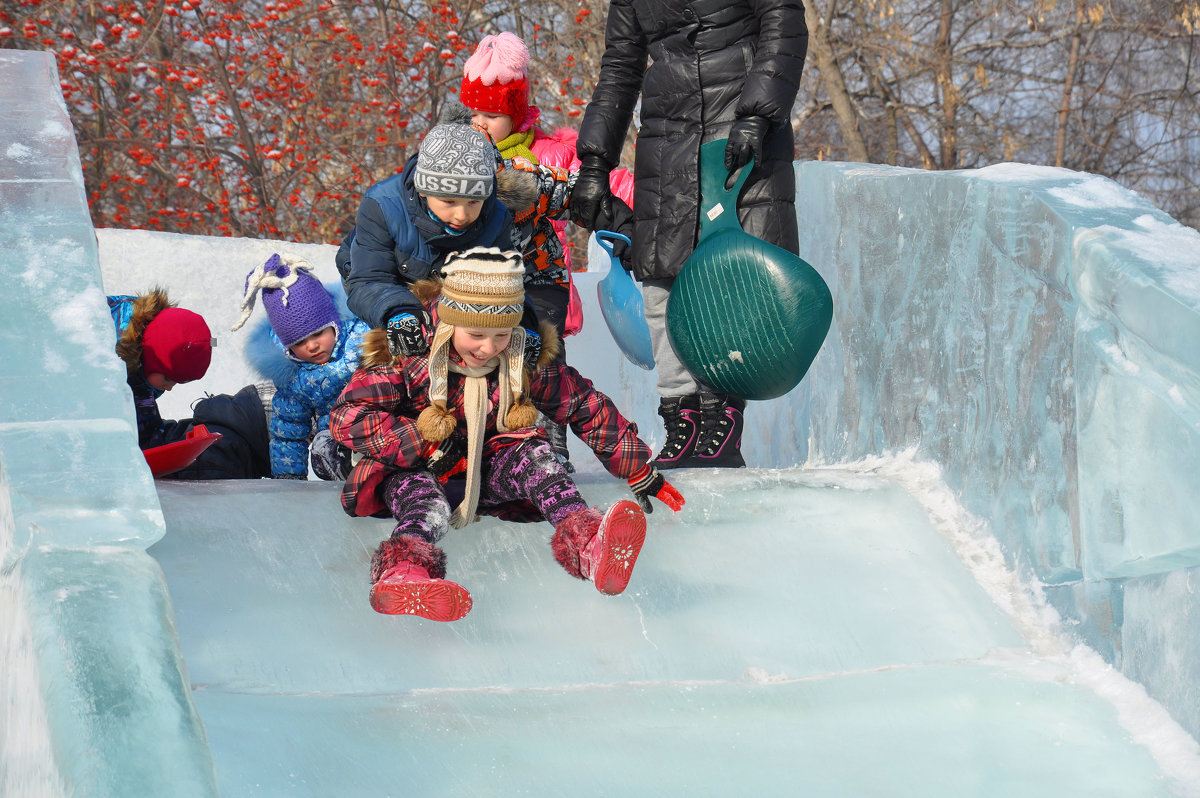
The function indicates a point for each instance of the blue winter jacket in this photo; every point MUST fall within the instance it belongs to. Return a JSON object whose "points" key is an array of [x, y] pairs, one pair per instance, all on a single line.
{"points": [[304, 392], [395, 243]]}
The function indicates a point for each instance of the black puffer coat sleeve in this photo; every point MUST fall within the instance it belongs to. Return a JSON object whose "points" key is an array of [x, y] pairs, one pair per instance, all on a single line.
{"points": [[774, 79], [622, 69], [374, 291]]}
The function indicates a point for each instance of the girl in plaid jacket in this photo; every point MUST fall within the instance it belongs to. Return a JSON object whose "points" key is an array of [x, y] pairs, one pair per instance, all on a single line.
{"points": [[456, 428]]}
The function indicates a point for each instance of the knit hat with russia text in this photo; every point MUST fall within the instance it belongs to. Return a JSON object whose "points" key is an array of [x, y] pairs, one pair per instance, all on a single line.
{"points": [[456, 161], [177, 344]]}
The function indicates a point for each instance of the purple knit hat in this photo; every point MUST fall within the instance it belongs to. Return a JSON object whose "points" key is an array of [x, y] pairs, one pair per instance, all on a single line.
{"points": [[296, 302]]}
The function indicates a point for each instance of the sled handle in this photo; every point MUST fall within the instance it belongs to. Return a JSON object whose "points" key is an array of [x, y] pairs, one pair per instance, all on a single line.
{"points": [[605, 238], [717, 200]]}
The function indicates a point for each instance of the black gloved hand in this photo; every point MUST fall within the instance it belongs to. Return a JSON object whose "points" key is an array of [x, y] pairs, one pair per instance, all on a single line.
{"points": [[623, 253], [448, 457], [745, 142], [330, 460], [406, 336], [533, 349], [591, 198]]}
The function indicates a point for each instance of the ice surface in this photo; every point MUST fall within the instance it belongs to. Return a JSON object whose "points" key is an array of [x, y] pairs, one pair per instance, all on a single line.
{"points": [[1032, 331], [738, 662], [999, 432]]}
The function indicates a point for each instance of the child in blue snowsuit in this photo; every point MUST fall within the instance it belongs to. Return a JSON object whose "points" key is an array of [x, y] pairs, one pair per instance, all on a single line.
{"points": [[309, 352]]}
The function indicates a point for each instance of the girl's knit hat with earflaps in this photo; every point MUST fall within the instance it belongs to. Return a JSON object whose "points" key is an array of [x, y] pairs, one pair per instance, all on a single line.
{"points": [[484, 288]]}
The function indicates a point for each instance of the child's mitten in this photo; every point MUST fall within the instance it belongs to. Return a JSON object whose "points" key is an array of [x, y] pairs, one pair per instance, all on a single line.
{"points": [[406, 336], [330, 460], [449, 458], [649, 482], [533, 350]]}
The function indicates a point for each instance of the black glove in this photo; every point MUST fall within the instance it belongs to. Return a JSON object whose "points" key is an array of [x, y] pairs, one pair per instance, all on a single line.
{"points": [[591, 198], [449, 454], [406, 336], [330, 460], [533, 349], [621, 222], [745, 142]]}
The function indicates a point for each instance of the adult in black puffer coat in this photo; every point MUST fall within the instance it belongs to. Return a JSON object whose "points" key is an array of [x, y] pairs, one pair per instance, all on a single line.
{"points": [[717, 69]]}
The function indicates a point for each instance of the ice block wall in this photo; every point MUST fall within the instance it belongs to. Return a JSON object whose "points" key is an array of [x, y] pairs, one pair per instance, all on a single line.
{"points": [[1036, 332], [95, 700]]}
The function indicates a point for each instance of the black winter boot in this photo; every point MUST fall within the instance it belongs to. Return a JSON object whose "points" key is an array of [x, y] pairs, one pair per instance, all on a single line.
{"points": [[720, 440], [681, 417]]}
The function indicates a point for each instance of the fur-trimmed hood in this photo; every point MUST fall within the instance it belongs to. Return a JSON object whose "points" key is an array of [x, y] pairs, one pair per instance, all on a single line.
{"points": [[269, 358], [375, 349], [144, 308], [517, 189]]}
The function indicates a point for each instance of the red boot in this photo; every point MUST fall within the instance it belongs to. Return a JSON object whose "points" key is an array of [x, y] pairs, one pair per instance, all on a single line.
{"points": [[404, 585], [604, 548], [407, 589]]}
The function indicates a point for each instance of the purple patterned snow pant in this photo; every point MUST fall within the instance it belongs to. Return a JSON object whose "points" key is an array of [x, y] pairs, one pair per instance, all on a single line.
{"points": [[526, 470]]}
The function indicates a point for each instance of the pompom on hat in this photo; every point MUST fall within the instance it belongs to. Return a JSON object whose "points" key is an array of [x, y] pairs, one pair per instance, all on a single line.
{"points": [[296, 302], [177, 344], [495, 78]]}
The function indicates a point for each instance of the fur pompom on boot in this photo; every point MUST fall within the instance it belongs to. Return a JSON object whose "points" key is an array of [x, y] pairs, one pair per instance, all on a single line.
{"points": [[604, 552], [570, 537], [409, 581], [408, 548]]}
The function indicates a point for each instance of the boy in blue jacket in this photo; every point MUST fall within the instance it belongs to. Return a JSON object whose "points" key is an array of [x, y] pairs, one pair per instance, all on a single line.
{"points": [[448, 198]]}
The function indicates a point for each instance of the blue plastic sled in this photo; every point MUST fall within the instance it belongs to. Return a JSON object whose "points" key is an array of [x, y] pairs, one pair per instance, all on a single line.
{"points": [[622, 307]]}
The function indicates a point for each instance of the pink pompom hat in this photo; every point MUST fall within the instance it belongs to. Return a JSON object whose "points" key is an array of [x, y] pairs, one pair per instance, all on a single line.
{"points": [[495, 80]]}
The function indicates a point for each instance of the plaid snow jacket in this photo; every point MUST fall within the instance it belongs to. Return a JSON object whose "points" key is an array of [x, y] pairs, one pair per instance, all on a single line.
{"points": [[376, 416]]}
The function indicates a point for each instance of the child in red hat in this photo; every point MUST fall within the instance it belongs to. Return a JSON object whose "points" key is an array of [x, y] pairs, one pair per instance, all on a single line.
{"points": [[162, 346], [453, 433], [495, 87]]}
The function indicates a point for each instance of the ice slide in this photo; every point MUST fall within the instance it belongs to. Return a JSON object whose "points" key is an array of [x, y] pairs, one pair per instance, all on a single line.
{"points": [[963, 565]]}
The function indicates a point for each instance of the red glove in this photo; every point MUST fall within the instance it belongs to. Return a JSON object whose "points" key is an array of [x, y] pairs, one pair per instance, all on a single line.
{"points": [[648, 482]]}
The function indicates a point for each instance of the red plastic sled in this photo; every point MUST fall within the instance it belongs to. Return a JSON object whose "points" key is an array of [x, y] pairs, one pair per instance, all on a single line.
{"points": [[179, 455]]}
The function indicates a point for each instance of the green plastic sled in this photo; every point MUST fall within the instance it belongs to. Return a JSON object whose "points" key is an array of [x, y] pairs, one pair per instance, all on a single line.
{"points": [[745, 317]]}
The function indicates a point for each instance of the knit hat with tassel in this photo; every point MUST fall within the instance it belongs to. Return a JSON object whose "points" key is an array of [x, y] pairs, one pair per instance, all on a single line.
{"points": [[296, 302], [484, 288]]}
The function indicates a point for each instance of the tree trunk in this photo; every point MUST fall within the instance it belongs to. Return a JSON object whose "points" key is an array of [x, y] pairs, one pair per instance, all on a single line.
{"points": [[835, 84]]}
